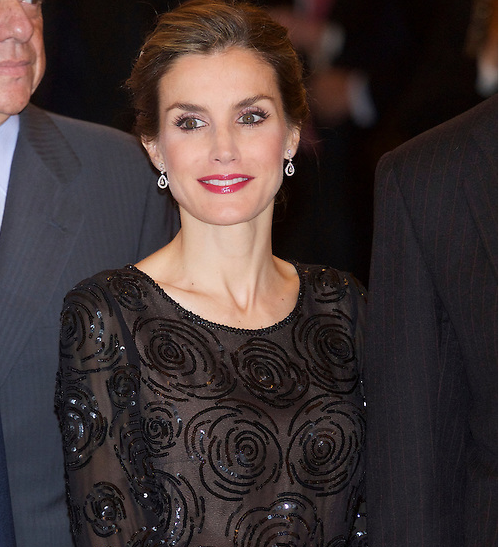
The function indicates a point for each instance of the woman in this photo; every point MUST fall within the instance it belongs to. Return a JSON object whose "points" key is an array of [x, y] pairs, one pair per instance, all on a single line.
{"points": [[210, 395]]}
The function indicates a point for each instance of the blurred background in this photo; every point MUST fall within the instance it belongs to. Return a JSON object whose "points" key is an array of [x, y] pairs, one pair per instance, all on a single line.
{"points": [[378, 72]]}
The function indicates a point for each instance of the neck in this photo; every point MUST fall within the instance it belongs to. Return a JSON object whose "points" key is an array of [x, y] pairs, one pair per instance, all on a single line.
{"points": [[226, 274], [236, 254]]}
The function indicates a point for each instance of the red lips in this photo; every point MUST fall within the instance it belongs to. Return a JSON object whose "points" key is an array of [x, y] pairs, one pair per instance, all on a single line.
{"points": [[225, 184]]}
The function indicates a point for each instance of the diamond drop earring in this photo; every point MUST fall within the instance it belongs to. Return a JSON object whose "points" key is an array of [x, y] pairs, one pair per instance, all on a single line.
{"points": [[162, 180], [290, 168]]}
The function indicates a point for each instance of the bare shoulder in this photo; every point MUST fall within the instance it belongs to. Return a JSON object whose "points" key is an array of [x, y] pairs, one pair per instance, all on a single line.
{"points": [[162, 266], [286, 269]]}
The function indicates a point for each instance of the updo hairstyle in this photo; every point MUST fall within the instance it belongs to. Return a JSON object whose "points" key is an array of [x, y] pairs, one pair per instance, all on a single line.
{"points": [[204, 27]]}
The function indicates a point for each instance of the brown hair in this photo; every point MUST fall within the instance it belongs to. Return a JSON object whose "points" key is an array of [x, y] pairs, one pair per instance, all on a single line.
{"points": [[207, 26]]}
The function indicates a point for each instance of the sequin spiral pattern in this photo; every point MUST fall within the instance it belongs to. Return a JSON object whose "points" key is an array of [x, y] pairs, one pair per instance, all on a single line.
{"points": [[181, 432]]}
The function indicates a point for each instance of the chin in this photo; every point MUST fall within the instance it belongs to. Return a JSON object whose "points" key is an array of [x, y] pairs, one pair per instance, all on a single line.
{"points": [[231, 214], [229, 218]]}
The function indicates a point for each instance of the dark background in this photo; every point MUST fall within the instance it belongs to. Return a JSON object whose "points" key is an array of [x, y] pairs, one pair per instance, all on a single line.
{"points": [[413, 52]]}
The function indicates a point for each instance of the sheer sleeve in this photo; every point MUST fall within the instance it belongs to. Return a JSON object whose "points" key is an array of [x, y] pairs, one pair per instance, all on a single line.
{"points": [[113, 497], [359, 533]]}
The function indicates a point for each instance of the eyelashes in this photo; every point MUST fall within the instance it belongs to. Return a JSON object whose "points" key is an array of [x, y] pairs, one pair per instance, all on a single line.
{"points": [[251, 117], [188, 122]]}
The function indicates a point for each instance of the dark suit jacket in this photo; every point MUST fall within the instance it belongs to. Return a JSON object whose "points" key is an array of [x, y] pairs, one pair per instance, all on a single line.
{"points": [[431, 372], [81, 198], [7, 538]]}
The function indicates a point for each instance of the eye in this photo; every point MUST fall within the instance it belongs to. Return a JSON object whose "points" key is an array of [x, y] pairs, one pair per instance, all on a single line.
{"points": [[253, 118], [188, 123]]}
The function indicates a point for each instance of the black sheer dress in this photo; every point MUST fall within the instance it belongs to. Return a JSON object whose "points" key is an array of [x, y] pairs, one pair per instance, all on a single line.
{"points": [[181, 432]]}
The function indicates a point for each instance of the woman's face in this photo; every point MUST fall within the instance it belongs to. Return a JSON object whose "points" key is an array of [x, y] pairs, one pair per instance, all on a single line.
{"points": [[223, 135]]}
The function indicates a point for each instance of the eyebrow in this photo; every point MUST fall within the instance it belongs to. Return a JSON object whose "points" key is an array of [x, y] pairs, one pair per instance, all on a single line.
{"points": [[242, 104], [252, 100]]}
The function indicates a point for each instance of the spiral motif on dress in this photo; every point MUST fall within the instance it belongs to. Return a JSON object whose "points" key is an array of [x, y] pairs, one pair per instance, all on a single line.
{"points": [[128, 289], [84, 339], [268, 373], [327, 438], [339, 541], [135, 459], [150, 538], [327, 284], [150, 486], [104, 509], [123, 386], [161, 426], [235, 447], [290, 521], [83, 427], [189, 357], [177, 520], [326, 345]]}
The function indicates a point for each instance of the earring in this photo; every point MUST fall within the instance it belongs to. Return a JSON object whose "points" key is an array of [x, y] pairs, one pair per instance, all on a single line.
{"points": [[290, 168], [162, 180]]}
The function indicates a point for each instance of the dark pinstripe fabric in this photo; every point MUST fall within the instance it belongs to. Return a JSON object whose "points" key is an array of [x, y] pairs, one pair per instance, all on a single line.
{"points": [[81, 198], [431, 372], [7, 538]]}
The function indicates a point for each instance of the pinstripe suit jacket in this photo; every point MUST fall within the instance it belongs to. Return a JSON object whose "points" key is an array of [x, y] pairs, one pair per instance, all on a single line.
{"points": [[81, 198], [7, 538], [431, 372]]}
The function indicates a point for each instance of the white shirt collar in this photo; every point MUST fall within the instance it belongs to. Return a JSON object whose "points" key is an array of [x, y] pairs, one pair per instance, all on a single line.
{"points": [[9, 132]]}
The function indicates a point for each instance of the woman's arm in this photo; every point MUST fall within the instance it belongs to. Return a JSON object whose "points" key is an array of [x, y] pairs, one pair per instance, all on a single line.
{"points": [[112, 495]]}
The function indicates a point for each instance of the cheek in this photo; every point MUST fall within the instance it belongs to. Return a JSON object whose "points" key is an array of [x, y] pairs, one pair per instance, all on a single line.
{"points": [[40, 70], [271, 150], [178, 158], [39, 53]]}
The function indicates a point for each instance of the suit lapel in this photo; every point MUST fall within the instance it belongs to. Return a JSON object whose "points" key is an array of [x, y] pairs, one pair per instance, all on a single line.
{"points": [[481, 186], [39, 228]]}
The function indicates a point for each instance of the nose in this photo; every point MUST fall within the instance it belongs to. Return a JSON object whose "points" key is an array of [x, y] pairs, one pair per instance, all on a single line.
{"points": [[15, 23], [224, 147]]}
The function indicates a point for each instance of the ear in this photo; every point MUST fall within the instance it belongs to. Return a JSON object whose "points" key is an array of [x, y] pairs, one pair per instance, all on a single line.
{"points": [[153, 152], [293, 140]]}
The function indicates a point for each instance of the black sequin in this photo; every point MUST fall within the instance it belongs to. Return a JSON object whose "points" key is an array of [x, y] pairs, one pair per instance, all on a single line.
{"points": [[181, 432]]}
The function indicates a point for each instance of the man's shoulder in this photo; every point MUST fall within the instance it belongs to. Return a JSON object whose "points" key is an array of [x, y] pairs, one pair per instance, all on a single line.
{"points": [[56, 139], [36, 120], [449, 138]]}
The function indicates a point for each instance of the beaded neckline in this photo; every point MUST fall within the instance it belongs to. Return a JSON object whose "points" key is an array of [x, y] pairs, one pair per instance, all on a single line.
{"points": [[197, 319]]}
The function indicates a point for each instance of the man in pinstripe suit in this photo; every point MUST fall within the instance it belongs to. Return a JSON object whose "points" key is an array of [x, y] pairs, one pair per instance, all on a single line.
{"points": [[431, 375], [79, 198]]}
